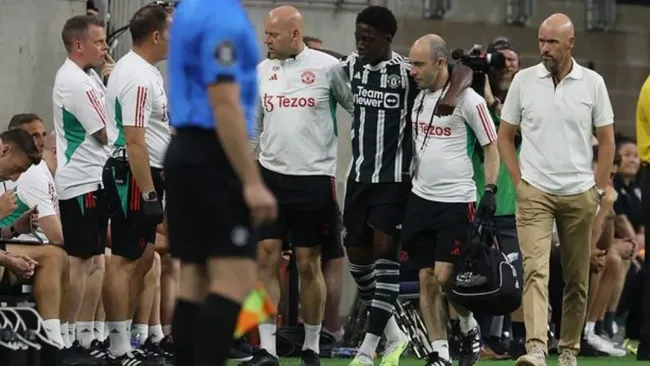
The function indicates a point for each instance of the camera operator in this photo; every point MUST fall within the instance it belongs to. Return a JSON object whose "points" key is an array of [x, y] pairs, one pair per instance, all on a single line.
{"points": [[497, 83]]}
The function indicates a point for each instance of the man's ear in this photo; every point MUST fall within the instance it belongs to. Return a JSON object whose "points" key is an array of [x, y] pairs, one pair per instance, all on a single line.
{"points": [[6, 150]]}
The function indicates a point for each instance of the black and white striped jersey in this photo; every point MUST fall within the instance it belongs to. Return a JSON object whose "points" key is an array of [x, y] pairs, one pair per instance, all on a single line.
{"points": [[383, 96]]}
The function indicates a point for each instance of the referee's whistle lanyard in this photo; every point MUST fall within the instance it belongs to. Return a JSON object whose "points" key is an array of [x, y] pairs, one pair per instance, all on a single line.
{"points": [[415, 162]]}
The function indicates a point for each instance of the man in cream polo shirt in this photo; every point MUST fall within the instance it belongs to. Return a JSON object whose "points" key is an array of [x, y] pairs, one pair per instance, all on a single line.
{"points": [[557, 104]]}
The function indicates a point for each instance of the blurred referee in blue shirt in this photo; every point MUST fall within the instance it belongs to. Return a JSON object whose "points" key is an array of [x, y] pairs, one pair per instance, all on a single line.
{"points": [[215, 196]]}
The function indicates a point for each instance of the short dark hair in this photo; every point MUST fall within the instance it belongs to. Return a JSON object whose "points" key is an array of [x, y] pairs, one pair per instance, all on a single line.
{"points": [[380, 18], [22, 118], [76, 28], [308, 39], [23, 142], [148, 19]]}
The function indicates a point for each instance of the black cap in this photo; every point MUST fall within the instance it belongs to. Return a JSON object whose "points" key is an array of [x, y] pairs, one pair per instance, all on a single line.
{"points": [[501, 43]]}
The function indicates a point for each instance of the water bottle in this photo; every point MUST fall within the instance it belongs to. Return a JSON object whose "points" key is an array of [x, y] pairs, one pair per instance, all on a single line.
{"points": [[135, 340]]}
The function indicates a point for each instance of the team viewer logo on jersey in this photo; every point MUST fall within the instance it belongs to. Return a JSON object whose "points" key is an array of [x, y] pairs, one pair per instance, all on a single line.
{"points": [[377, 99]]}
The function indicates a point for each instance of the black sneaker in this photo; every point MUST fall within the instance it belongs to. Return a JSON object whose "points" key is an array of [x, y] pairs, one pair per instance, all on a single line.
{"points": [[434, 360], [470, 347], [78, 355], [127, 359], [262, 358], [309, 358], [98, 349], [167, 347], [453, 337], [152, 347], [151, 359]]}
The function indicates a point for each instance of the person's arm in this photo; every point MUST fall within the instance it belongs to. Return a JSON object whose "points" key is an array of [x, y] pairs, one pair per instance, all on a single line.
{"points": [[604, 211], [221, 72], [34, 191], [510, 120], [479, 119], [254, 139], [136, 101], [460, 79], [340, 87], [603, 121], [90, 111]]}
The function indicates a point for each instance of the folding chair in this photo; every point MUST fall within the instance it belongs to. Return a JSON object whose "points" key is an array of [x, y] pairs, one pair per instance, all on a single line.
{"points": [[409, 319]]}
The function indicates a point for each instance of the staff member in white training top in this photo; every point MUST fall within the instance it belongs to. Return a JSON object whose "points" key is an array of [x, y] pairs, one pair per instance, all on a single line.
{"points": [[133, 175], [440, 209], [556, 104], [298, 94]]}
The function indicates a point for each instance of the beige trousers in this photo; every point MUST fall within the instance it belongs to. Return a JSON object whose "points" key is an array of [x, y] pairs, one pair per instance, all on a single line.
{"points": [[574, 216]]}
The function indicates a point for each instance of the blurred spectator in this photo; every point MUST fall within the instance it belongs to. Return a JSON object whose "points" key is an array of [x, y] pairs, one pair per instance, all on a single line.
{"points": [[313, 42], [91, 9]]}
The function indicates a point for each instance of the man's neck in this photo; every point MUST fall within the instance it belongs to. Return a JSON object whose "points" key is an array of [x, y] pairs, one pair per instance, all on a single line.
{"points": [[50, 160], [78, 61], [385, 57], [562, 71], [146, 54], [441, 81], [295, 52]]}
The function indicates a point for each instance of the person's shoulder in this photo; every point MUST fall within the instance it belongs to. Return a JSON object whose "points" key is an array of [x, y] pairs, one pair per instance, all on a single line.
{"points": [[69, 75], [590, 75], [321, 58], [527, 73], [470, 97]]}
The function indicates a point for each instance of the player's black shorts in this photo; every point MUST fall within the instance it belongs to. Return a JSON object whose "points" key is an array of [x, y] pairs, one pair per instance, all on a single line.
{"points": [[84, 220], [371, 206], [507, 227], [307, 209], [435, 231], [206, 213], [130, 231]]}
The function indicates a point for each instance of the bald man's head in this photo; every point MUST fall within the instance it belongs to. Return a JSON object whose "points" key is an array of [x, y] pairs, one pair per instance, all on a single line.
{"points": [[283, 29], [556, 40], [428, 57]]}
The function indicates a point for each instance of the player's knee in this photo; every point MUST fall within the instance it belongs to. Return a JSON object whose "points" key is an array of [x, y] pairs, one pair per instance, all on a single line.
{"points": [[614, 262], [428, 281], [308, 263], [55, 256], [268, 255], [97, 265], [443, 275]]}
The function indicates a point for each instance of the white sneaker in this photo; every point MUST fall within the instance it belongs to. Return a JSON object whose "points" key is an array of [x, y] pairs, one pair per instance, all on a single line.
{"points": [[604, 346]]}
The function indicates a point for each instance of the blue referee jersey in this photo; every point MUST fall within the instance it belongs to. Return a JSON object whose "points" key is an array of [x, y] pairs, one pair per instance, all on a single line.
{"points": [[211, 41]]}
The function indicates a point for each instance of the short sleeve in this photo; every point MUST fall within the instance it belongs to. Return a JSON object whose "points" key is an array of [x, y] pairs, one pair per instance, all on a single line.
{"points": [[602, 113], [340, 87], [511, 111], [220, 51], [37, 193], [89, 107], [136, 102], [478, 117]]}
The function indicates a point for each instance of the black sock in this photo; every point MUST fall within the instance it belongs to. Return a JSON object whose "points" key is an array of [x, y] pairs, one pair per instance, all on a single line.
{"points": [[183, 332], [608, 323], [386, 292], [518, 330], [215, 328], [364, 276], [600, 327]]}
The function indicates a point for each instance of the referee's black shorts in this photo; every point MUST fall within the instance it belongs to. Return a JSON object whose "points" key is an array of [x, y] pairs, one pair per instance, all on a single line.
{"points": [[206, 213]]}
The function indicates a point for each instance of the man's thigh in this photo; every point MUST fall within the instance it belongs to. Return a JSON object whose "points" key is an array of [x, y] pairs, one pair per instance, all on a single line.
{"points": [[419, 237], [453, 225], [130, 231], [575, 217], [534, 218], [84, 221], [207, 215]]}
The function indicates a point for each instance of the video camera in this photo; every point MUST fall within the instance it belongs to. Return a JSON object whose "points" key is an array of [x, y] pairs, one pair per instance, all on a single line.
{"points": [[480, 63]]}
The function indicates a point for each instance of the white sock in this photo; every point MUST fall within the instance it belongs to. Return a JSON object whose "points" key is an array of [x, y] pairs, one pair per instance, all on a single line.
{"points": [[167, 329], [442, 347], [467, 323], [53, 331], [156, 333], [142, 330], [312, 338], [369, 345], [589, 327], [72, 332], [85, 333], [267, 337], [120, 342], [392, 331], [98, 329], [65, 336], [129, 323]]}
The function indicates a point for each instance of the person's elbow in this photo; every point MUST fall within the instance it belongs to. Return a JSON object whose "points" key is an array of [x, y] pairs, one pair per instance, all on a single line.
{"points": [[506, 135], [134, 137], [224, 97], [51, 227], [605, 137]]}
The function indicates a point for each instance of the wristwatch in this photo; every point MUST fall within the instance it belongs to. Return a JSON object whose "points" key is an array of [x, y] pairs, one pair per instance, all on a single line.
{"points": [[491, 187], [149, 196], [601, 193]]}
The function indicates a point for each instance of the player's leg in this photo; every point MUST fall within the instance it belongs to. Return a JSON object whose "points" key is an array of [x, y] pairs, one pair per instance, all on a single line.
{"points": [[169, 285], [85, 322], [332, 262], [49, 283], [144, 308]]}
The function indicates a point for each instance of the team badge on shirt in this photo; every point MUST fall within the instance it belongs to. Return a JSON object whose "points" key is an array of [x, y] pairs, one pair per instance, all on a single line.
{"points": [[394, 81], [225, 53], [307, 77]]}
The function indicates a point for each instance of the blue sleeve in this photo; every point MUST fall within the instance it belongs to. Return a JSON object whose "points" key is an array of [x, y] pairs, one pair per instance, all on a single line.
{"points": [[221, 51]]}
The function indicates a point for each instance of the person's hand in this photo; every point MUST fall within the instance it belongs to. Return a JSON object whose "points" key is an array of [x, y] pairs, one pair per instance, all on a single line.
{"points": [[108, 66], [625, 248], [449, 101], [488, 205], [26, 224], [597, 260], [153, 211], [261, 203], [487, 92], [8, 203], [610, 196], [22, 266]]}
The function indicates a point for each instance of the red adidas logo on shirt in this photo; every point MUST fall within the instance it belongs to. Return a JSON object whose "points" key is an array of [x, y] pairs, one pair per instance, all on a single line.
{"points": [[274, 77]]}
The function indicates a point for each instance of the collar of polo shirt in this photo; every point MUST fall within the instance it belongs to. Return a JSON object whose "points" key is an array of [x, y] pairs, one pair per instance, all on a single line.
{"points": [[576, 72]]}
